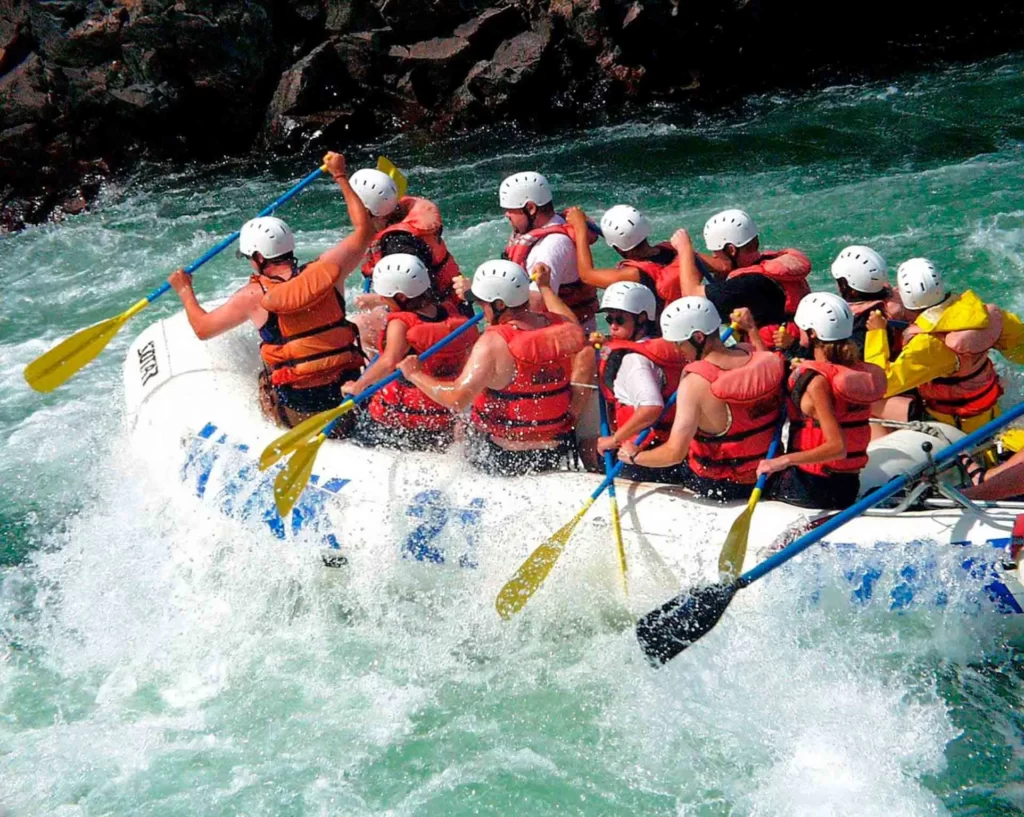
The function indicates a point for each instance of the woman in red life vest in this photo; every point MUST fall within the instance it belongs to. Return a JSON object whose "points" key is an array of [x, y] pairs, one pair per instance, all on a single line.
{"points": [[400, 414], [308, 346], [516, 380], [637, 373], [829, 405], [729, 404]]}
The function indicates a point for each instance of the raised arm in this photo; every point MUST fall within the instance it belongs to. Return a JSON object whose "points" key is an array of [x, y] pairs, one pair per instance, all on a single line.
{"points": [[690, 280], [541, 275], [600, 278], [348, 253]]}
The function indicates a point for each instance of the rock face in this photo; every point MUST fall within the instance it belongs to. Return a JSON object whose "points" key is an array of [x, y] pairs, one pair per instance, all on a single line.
{"points": [[87, 87]]}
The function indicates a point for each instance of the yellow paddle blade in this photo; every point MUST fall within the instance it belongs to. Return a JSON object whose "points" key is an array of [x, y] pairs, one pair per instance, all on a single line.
{"points": [[291, 482], [619, 545], [50, 370], [535, 569], [301, 434], [734, 551], [384, 165]]}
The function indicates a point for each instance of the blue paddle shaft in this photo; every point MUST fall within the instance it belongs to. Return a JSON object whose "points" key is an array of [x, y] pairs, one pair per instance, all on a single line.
{"points": [[227, 242], [609, 462], [366, 394], [878, 496], [773, 449]]}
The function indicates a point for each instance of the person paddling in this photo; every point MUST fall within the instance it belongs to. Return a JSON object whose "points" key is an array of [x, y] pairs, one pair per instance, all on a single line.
{"points": [[638, 372], [309, 348], [517, 377], [829, 405], [945, 353], [728, 405], [400, 414]]}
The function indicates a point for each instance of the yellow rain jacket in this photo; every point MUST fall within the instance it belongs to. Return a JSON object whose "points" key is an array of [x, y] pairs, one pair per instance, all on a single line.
{"points": [[926, 355]]}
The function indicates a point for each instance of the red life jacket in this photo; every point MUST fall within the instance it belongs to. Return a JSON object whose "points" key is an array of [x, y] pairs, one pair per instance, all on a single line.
{"points": [[306, 340], [400, 404], [753, 394], [581, 298], [535, 405], [665, 276], [975, 387], [421, 218], [854, 389], [789, 269], [663, 354]]}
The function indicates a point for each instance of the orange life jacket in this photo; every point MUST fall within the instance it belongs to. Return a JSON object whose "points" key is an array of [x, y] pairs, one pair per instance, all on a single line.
{"points": [[789, 269], [581, 298], [401, 404], [854, 389], [421, 218], [663, 354], [535, 405], [306, 340], [753, 394], [664, 276], [975, 387]]}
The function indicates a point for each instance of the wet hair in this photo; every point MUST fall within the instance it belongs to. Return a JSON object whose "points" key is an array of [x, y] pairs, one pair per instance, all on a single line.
{"points": [[840, 352], [402, 242]]}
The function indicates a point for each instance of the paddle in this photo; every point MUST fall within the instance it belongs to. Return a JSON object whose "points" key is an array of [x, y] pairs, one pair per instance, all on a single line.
{"points": [[531, 573], [734, 551], [609, 466], [665, 632], [56, 366], [384, 165], [307, 437]]}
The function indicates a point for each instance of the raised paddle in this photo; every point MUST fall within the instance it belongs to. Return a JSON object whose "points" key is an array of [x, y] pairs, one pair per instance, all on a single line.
{"points": [[667, 631], [385, 165], [532, 573], [305, 439], [609, 466], [734, 551], [56, 366]]}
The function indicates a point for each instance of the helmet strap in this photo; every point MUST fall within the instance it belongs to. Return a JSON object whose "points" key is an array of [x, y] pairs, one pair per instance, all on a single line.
{"points": [[699, 347]]}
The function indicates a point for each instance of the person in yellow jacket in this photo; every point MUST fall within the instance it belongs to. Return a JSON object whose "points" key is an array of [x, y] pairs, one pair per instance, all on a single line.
{"points": [[945, 350]]}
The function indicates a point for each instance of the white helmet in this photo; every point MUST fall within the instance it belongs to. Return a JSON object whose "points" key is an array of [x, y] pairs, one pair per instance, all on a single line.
{"points": [[400, 272], [376, 190], [624, 227], [688, 315], [729, 227], [920, 284], [863, 268], [521, 188], [268, 236], [628, 296], [503, 280], [827, 314]]}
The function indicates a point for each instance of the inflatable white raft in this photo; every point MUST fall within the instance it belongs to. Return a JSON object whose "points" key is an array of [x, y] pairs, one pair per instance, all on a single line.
{"points": [[193, 413]]}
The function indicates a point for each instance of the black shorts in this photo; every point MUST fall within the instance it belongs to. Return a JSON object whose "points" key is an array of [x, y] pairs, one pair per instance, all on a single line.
{"points": [[487, 456], [368, 432], [832, 493], [720, 490]]}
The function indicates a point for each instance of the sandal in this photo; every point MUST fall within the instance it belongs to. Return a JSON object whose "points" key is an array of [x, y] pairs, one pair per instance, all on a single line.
{"points": [[975, 473]]}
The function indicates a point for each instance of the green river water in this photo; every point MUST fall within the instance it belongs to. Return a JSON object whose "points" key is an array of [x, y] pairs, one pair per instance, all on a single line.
{"points": [[134, 681]]}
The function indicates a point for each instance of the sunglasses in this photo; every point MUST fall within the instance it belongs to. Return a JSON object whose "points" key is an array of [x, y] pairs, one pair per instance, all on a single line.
{"points": [[617, 320]]}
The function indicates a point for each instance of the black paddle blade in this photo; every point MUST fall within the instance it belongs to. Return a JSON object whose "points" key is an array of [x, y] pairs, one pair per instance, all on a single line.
{"points": [[667, 631]]}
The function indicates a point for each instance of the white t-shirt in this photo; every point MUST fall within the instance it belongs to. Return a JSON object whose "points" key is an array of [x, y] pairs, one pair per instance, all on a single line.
{"points": [[639, 382], [559, 253]]}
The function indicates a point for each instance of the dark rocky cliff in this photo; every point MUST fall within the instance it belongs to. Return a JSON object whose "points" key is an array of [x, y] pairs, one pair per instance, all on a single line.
{"points": [[88, 87]]}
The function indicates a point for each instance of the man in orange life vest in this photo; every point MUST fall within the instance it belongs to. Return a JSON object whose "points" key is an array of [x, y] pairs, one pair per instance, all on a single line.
{"points": [[308, 347], [945, 350], [637, 374], [730, 401], [410, 225], [517, 377], [400, 414], [829, 405], [771, 284]]}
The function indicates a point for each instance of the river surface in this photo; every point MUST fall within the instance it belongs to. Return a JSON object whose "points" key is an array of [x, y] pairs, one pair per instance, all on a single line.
{"points": [[134, 681]]}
